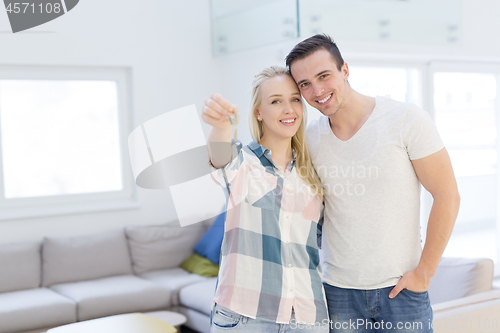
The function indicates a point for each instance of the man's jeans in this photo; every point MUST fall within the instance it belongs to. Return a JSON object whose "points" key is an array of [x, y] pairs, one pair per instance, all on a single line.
{"points": [[370, 311]]}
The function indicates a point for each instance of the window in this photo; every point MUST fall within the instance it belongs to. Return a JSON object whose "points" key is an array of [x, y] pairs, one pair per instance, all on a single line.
{"points": [[402, 83], [466, 107], [399, 83], [63, 135]]}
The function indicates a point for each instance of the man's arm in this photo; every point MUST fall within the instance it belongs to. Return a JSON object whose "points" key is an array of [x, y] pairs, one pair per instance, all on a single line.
{"points": [[436, 175]]}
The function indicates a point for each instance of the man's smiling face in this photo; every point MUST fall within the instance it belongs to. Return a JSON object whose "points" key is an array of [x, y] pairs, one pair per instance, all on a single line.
{"points": [[320, 82]]}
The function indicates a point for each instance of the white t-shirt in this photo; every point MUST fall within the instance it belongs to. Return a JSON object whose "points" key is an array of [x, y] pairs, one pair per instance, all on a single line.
{"points": [[371, 231]]}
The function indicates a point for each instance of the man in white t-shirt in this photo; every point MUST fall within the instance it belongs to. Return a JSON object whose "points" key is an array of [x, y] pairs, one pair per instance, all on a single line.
{"points": [[371, 155]]}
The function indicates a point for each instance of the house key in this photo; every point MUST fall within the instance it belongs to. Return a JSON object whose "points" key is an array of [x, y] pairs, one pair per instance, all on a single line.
{"points": [[234, 119]]}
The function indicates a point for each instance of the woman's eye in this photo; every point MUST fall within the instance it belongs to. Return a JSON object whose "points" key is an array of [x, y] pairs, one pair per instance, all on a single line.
{"points": [[275, 101], [296, 100]]}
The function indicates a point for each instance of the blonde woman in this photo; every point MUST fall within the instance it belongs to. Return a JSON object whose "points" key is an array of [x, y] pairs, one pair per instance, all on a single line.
{"points": [[270, 276]]}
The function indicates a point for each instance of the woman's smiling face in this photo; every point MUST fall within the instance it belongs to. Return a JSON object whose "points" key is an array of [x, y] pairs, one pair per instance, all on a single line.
{"points": [[280, 107]]}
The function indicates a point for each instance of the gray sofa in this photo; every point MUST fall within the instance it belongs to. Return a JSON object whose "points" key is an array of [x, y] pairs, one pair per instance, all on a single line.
{"points": [[63, 280]]}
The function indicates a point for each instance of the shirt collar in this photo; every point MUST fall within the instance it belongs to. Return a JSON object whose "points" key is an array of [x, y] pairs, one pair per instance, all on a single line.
{"points": [[260, 150]]}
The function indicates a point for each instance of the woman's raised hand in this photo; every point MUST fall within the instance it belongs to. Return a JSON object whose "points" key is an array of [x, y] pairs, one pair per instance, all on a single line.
{"points": [[216, 111]]}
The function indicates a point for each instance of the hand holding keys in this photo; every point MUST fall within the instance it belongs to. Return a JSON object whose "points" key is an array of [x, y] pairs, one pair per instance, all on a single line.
{"points": [[221, 114]]}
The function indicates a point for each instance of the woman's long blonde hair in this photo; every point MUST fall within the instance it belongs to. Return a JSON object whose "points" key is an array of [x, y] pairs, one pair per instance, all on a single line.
{"points": [[303, 160]]}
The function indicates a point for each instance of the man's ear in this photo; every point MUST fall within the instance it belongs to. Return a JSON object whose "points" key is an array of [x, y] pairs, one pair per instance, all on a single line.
{"points": [[345, 71]]}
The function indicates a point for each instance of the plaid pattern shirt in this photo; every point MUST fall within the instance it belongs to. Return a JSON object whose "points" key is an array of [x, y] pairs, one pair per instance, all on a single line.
{"points": [[269, 257]]}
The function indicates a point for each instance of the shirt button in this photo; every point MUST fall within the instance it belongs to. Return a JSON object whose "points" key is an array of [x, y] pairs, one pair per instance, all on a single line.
{"points": [[289, 265], [291, 289], [288, 241]]}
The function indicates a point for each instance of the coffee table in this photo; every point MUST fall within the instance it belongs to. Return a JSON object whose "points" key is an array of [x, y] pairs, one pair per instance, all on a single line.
{"points": [[173, 318], [125, 323]]}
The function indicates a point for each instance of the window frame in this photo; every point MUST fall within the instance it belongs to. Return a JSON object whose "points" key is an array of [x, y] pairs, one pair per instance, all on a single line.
{"points": [[56, 205]]}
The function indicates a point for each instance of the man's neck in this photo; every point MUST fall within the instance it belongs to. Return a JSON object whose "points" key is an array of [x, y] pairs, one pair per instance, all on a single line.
{"points": [[354, 112]]}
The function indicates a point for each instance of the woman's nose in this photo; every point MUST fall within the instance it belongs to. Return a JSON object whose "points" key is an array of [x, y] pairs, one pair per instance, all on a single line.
{"points": [[287, 107]]}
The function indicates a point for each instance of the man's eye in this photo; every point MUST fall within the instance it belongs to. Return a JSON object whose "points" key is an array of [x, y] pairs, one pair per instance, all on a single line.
{"points": [[323, 76], [303, 85]]}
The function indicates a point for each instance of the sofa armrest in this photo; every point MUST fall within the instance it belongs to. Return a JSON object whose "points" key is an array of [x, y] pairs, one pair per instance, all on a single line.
{"points": [[478, 298], [475, 313], [458, 278]]}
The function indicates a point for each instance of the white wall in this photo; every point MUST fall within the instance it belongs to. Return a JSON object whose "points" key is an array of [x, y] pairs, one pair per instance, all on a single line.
{"points": [[167, 46], [480, 40]]}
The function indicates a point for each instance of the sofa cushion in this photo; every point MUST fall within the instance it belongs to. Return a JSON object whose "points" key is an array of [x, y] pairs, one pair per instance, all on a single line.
{"points": [[162, 247], [20, 266], [459, 277], [197, 264], [199, 296], [210, 244], [85, 257], [114, 295], [173, 279], [34, 308]]}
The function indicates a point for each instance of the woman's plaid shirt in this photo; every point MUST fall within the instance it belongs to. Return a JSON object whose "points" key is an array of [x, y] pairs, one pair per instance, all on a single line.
{"points": [[269, 256]]}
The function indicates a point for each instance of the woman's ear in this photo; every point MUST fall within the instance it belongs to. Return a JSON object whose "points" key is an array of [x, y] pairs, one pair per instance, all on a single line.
{"points": [[257, 114]]}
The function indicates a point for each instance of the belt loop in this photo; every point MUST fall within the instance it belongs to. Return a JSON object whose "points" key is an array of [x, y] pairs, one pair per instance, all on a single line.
{"points": [[244, 319]]}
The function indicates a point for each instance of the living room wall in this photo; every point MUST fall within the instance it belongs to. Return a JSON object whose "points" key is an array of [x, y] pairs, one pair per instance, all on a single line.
{"points": [[479, 41], [167, 46]]}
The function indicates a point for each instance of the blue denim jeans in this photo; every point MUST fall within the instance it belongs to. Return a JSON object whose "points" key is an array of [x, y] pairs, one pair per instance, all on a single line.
{"points": [[370, 311], [225, 320]]}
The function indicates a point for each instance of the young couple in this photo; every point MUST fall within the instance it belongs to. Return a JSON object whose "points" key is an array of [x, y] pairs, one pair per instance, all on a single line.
{"points": [[362, 164]]}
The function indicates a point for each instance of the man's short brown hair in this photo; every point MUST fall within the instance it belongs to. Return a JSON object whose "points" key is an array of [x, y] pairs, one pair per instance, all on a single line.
{"points": [[313, 44]]}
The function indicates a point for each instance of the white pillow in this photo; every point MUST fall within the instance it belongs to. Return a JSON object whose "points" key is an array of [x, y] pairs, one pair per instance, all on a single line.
{"points": [[162, 246], [80, 258], [20, 266]]}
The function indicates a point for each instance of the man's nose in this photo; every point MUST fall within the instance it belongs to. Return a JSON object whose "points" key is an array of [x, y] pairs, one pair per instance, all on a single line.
{"points": [[318, 90]]}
